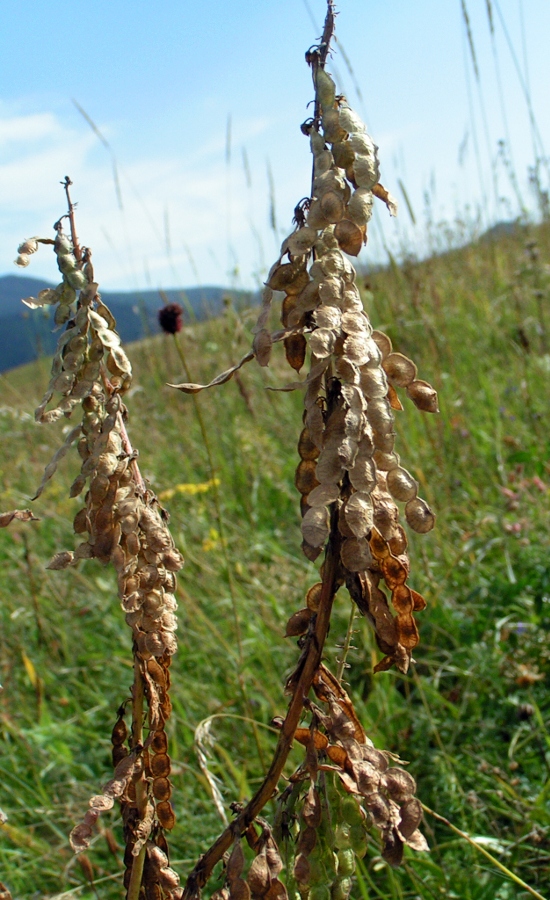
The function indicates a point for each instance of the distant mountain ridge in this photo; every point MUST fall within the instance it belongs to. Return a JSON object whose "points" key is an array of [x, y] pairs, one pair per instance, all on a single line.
{"points": [[27, 334]]}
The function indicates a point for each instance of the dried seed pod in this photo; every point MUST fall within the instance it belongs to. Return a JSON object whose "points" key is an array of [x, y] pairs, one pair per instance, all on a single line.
{"points": [[315, 526], [359, 208], [306, 477], [423, 396], [356, 554], [332, 206], [401, 484], [359, 514], [350, 237], [165, 815], [295, 349], [419, 515], [400, 369]]}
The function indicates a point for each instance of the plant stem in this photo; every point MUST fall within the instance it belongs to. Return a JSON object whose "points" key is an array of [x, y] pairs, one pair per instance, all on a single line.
{"points": [[76, 245], [223, 542], [141, 787], [309, 664], [485, 853], [347, 644]]}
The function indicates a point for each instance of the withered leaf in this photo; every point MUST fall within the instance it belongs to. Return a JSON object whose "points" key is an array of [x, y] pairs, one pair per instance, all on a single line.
{"points": [[220, 379], [20, 515], [380, 191]]}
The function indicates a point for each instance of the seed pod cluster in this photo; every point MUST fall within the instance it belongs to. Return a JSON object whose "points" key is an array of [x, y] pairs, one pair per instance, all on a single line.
{"points": [[386, 791], [121, 523], [262, 881]]}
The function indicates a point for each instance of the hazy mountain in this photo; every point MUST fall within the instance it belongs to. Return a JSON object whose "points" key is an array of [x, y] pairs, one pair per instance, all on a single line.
{"points": [[26, 334]]}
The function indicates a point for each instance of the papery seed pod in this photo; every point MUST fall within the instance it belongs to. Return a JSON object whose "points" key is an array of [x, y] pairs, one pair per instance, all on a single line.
{"points": [[359, 208], [423, 396], [356, 555], [306, 478], [419, 515], [315, 526], [359, 514], [401, 484], [401, 370], [295, 349], [332, 206], [165, 815], [350, 237]]}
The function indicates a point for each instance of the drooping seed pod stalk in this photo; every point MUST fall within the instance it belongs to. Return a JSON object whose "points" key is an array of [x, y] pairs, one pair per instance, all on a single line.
{"points": [[122, 523], [351, 481]]}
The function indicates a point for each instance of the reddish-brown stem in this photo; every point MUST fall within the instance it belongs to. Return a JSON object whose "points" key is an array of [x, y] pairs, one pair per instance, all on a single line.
{"points": [[202, 871], [308, 666], [76, 246]]}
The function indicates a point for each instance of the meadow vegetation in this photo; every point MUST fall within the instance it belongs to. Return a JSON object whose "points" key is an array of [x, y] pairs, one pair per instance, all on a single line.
{"points": [[471, 715]]}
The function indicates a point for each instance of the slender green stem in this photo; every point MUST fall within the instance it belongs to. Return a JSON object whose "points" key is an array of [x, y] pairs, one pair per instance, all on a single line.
{"points": [[482, 850], [347, 644], [223, 542]]}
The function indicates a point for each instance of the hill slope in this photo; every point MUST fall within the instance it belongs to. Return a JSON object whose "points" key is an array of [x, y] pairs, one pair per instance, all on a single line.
{"points": [[24, 337]]}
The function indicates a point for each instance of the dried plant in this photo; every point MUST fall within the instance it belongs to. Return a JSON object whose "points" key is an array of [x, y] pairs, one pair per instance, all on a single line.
{"points": [[121, 523], [349, 478]]}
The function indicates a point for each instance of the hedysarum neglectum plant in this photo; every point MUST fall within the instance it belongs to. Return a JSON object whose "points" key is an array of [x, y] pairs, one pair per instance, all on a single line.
{"points": [[350, 479], [121, 523]]}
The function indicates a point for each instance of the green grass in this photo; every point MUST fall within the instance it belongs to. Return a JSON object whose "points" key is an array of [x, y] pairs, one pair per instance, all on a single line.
{"points": [[473, 714]]}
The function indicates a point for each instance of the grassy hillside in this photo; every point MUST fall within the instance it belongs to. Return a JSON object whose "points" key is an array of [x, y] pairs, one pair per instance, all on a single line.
{"points": [[473, 714]]}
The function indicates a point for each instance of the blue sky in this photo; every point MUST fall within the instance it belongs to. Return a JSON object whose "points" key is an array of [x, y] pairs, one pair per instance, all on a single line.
{"points": [[162, 80]]}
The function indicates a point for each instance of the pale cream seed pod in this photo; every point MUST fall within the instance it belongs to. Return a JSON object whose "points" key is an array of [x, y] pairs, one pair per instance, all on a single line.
{"points": [[401, 485], [419, 515]]}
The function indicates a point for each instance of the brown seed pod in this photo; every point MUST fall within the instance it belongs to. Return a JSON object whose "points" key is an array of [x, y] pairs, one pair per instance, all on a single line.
{"points": [[423, 396], [401, 484], [419, 515], [332, 206], [306, 448], [306, 479], [162, 789], [295, 349], [313, 596], [165, 815], [298, 623], [399, 369], [160, 765], [350, 237]]}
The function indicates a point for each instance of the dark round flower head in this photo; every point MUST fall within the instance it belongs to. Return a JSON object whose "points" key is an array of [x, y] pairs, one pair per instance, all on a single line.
{"points": [[170, 318]]}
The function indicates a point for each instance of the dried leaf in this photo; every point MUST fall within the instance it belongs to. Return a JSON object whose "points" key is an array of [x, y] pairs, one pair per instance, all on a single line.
{"points": [[19, 515], [262, 346], [380, 191], [50, 469], [220, 379]]}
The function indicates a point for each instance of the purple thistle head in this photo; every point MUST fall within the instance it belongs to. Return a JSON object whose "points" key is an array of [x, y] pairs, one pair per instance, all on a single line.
{"points": [[170, 318]]}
